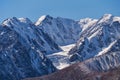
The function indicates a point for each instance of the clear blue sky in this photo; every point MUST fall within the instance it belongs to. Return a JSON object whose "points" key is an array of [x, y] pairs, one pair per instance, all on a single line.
{"points": [[74, 9]]}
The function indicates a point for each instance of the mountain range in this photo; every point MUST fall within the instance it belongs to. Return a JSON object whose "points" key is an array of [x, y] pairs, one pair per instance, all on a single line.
{"points": [[29, 49]]}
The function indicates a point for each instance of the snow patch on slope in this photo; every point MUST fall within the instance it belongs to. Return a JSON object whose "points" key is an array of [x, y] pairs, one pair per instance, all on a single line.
{"points": [[60, 59], [106, 18], [87, 22], [105, 50], [40, 20]]}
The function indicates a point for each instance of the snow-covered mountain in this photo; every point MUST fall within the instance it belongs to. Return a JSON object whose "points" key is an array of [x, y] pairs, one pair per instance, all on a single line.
{"points": [[100, 38], [26, 29], [63, 31], [24, 47], [22, 50], [97, 49], [26, 43]]}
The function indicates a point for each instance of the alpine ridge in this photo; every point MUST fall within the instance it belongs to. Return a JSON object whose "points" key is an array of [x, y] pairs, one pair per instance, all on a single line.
{"points": [[63, 31], [87, 49], [97, 39], [23, 47], [96, 52]]}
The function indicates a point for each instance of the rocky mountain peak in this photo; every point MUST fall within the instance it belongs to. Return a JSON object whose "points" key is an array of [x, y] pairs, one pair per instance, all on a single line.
{"points": [[25, 20], [44, 18]]}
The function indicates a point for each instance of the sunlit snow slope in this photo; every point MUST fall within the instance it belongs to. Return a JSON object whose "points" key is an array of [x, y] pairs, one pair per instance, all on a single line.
{"points": [[60, 59]]}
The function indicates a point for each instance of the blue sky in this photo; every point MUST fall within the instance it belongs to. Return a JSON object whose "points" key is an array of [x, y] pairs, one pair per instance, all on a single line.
{"points": [[74, 9]]}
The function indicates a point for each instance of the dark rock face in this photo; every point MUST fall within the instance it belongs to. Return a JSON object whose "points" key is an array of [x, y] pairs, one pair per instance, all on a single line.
{"points": [[21, 47]]}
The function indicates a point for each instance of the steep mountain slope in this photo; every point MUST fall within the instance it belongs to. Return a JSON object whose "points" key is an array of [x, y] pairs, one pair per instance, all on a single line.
{"points": [[62, 31], [98, 39], [21, 44], [30, 32], [104, 67]]}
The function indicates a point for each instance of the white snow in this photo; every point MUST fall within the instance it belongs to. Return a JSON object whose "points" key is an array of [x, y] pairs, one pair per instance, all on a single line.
{"points": [[94, 34], [105, 18], [60, 59], [87, 22], [2, 33], [116, 19], [40, 20], [106, 49], [24, 20], [67, 48]]}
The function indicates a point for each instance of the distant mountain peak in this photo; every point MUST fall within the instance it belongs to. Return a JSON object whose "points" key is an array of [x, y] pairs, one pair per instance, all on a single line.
{"points": [[15, 20], [86, 20], [8, 21], [43, 18], [25, 20], [106, 18], [107, 15]]}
